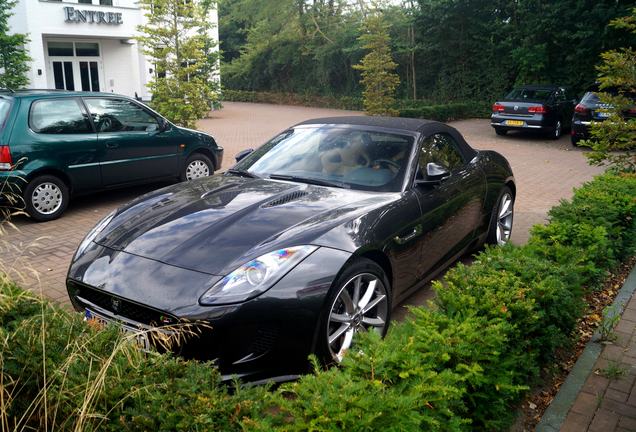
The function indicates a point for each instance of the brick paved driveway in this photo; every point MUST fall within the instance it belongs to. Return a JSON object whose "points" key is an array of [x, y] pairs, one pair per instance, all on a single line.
{"points": [[546, 171]]}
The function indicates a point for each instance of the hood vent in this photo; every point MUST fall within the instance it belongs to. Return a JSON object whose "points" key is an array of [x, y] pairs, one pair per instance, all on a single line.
{"points": [[285, 199]]}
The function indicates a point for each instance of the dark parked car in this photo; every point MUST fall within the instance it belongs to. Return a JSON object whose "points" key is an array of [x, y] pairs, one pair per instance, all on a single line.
{"points": [[309, 239], [544, 108], [55, 144], [592, 109]]}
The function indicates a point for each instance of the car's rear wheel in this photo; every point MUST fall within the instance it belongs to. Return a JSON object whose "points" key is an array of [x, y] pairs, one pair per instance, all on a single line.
{"points": [[197, 165], [46, 197], [500, 131], [575, 141], [557, 131], [502, 217], [359, 301]]}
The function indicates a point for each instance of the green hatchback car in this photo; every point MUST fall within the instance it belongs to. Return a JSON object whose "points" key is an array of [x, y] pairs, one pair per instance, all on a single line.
{"points": [[58, 144]]}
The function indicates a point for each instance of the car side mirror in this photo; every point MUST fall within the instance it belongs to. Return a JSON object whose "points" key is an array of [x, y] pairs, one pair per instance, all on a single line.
{"points": [[163, 124], [242, 154], [435, 173]]}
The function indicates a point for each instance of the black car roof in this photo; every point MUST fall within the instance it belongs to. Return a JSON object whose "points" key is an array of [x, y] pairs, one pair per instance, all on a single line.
{"points": [[408, 124]]}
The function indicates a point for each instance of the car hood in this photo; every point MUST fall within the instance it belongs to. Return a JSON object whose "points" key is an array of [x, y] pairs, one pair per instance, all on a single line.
{"points": [[216, 224]]}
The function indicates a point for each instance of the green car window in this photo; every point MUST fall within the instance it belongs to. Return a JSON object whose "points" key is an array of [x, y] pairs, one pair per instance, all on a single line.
{"points": [[120, 115], [58, 116]]}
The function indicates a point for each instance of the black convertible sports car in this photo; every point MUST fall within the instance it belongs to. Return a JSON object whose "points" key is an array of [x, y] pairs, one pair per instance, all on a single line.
{"points": [[306, 241]]}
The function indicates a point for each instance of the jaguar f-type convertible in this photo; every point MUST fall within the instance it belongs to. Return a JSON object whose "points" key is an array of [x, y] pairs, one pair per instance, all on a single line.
{"points": [[306, 241]]}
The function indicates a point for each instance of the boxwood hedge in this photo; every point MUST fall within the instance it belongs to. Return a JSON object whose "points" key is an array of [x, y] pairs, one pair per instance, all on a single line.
{"points": [[463, 363]]}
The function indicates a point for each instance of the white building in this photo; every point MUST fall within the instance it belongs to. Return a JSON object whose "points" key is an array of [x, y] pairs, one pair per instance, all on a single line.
{"points": [[86, 45]]}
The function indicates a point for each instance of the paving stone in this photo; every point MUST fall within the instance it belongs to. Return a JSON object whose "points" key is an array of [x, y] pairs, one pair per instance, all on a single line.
{"points": [[603, 421], [576, 422], [586, 403], [627, 423], [616, 395]]}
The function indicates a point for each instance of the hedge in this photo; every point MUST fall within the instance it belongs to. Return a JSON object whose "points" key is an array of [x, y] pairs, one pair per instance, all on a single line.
{"points": [[406, 108], [461, 364]]}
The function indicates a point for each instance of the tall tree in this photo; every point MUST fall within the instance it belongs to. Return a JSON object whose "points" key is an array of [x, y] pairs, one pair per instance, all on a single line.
{"points": [[613, 141], [377, 67], [13, 56], [177, 39]]}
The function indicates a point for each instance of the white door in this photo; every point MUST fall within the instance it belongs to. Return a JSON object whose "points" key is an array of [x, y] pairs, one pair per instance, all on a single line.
{"points": [[76, 74]]}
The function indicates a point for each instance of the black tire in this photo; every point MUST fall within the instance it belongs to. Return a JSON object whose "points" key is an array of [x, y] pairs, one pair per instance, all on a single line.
{"points": [[501, 132], [200, 158], [35, 197], [358, 267], [575, 141], [492, 239], [557, 130]]}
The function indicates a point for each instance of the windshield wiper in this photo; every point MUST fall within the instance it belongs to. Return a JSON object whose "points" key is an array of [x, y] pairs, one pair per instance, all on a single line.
{"points": [[242, 173], [307, 180]]}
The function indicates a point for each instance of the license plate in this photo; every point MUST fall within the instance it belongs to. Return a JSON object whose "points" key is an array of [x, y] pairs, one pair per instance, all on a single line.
{"points": [[602, 114], [98, 321], [514, 122]]}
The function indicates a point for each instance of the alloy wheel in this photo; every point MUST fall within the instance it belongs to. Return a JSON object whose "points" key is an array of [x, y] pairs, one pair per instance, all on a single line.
{"points": [[504, 218], [197, 169], [47, 198], [557, 130], [361, 304]]}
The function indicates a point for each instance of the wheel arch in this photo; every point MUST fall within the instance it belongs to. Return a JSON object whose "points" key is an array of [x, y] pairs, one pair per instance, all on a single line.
{"points": [[207, 153], [52, 172]]}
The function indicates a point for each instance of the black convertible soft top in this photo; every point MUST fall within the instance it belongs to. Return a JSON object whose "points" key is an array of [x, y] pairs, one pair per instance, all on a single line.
{"points": [[409, 124]]}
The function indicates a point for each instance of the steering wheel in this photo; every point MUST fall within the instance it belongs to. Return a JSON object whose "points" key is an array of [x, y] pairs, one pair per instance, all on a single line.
{"points": [[391, 164]]}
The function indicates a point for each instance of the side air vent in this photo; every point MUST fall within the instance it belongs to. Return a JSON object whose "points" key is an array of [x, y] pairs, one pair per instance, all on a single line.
{"points": [[293, 196]]}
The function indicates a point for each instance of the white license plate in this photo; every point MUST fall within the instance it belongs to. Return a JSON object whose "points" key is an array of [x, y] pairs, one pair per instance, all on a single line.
{"points": [[602, 114], [100, 322]]}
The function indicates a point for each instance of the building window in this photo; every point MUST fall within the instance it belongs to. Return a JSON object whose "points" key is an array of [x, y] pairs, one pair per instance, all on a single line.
{"points": [[85, 1], [106, 2], [57, 49], [86, 49]]}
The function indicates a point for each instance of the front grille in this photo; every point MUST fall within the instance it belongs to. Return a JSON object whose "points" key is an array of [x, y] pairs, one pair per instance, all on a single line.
{"points": [[122, 307]]}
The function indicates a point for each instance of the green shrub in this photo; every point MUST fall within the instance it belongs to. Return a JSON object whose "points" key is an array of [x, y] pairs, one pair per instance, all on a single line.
{"points": [[463, 364]]}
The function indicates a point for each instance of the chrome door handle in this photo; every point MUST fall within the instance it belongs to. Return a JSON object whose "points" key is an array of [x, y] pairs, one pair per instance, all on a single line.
{"points": [[407, 238]]}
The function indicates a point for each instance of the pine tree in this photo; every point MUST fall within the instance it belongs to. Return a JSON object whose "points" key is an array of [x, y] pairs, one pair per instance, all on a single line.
{"points": [[13, 57], [177, 39], [377, 67]]}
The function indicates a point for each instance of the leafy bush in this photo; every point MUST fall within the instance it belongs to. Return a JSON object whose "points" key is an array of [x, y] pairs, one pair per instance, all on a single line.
{"points": [[446, 112], [462, 364]]}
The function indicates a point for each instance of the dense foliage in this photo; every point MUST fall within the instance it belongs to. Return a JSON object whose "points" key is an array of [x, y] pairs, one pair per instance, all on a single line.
{"points": [[617, 72], [177, 40], [13, 56], [461, 364], [446, 50]]}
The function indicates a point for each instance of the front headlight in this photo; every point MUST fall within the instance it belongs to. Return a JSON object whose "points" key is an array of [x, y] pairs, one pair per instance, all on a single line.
{"points": [[255, 277], [93, 233]]}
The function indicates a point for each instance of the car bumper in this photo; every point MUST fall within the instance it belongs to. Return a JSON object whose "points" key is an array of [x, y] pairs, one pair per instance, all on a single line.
{"points": [[218, 154], [269, 335], [530, 122], [580, 129]]}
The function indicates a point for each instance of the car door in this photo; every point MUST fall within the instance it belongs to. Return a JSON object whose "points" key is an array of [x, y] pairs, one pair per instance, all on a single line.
{"points": [[61, 136], [451, 207], [562, 105], [133, 146]]}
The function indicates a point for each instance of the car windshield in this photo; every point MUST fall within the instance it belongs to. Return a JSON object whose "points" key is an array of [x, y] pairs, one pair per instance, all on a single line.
{"points": [[4, 111], [334, 156], [535, 94]]}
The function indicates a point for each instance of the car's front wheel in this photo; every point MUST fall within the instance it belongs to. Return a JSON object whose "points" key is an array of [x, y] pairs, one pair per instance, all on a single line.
{"points": [[45, 198], [360, 301], [197, 165]]}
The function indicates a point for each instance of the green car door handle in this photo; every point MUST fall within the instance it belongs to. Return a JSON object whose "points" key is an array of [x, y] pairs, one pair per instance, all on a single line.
{"points": [[111, 145]]}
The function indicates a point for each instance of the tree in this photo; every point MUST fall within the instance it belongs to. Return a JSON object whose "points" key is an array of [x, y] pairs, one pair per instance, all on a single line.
{"points": [[377, 67], [13, 57], [613, 141], [177, 39]]}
